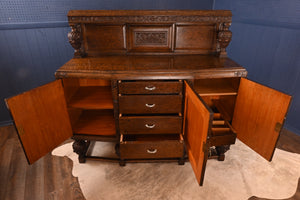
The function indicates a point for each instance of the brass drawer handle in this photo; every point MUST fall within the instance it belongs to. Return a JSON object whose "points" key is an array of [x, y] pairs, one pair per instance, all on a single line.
{"points": [[150, 88], [150, 105], [151, 151], [150, 126]]}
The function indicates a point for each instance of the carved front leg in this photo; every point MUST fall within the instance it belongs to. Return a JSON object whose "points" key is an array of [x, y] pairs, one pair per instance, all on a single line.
{"points": [[80, 147], [181, 160]]}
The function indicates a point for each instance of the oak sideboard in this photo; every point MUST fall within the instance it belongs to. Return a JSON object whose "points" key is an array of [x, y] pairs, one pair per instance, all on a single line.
{"points": [[157, 84]]}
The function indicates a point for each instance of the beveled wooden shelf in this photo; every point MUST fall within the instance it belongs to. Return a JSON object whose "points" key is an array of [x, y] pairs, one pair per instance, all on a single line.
{"points": [[96, 122], [92, 97]]}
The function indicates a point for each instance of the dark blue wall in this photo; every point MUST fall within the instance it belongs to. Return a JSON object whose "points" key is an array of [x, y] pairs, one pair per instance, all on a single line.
{"points": [[266, 40], [33, 38]]}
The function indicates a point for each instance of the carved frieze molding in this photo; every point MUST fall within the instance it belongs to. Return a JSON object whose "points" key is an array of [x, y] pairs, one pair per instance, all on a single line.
{"points": [[149, 19], [151, 38], [224, 38], [75, 39]]}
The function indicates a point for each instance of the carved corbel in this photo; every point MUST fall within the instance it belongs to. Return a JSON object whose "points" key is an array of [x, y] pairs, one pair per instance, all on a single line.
{"points": [[75, 39], [224, 38]]}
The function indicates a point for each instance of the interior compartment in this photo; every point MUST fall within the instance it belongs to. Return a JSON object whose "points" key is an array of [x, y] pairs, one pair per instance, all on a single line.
{"points": [[95, 122], [90, 106], [221, 104], [216, 86], [88, 93], [222, 132]]}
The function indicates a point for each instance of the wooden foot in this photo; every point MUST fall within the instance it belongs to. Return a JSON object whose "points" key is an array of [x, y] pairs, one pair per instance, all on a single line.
{"points": [[117, 149], [80, 147], [221, 152], [122, 163], [181, 161]]}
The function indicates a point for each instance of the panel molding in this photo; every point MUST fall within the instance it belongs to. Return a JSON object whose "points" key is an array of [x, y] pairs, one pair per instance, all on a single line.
{"points": [[6, 123]]}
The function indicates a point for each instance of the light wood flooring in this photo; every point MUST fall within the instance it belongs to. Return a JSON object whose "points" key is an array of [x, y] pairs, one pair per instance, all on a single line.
{"points": [[51, 176]]}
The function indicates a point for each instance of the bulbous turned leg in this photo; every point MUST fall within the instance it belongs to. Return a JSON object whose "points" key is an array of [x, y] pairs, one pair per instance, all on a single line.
{"points": [[181, 160], [221, 152], [80, 147], [122, 162]]}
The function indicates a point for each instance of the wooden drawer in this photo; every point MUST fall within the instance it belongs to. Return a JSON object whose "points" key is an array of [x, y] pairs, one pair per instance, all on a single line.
{"points": [[145, 147], [222, 134], [146, 104], [150, 87], [150, 125]]}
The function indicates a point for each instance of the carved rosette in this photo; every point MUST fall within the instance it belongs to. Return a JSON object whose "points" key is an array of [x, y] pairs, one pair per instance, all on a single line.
{"points": [[224, 38], [75, 39]]}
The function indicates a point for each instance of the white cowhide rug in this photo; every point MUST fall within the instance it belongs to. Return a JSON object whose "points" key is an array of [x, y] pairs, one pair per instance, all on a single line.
{"points": [[243, 174]]}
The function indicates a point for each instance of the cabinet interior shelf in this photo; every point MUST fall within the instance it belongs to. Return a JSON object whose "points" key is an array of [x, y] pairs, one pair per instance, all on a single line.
{"points": [[96, 122], [92, 97], [212, 87]]}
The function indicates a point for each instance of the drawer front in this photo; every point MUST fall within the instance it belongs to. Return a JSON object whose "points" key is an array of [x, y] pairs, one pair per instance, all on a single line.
{"points": [[148, 149], [222, 133], [147, 104], [222, 140], [150, 87], [150, 125]]}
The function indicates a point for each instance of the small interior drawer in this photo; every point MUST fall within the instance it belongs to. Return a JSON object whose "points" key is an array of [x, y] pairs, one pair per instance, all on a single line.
{"points": [[149, 147], [150, 87], [146, 104], [222, 133], [150, 124]]}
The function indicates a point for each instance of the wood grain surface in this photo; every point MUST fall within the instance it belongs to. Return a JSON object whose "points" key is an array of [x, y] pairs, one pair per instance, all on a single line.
{"points": [[41, 119], [258, 111], [48, 178]]}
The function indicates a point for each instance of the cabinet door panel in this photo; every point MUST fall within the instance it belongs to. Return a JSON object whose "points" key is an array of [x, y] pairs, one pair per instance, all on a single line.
{"points": [[258, 116], [41, 119], [197, 123]]}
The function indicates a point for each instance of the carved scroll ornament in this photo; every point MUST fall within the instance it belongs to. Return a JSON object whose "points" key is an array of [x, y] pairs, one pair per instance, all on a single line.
{"points": [[224, 38], [75, 39]]}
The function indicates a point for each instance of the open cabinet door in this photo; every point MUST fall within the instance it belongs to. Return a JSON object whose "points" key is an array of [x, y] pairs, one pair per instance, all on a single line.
{"points": [[259, 115], [197, 122], [41, 119]]}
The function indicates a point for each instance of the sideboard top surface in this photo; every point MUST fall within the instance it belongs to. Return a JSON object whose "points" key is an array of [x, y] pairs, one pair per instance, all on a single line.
{"points": [[153, 67]]}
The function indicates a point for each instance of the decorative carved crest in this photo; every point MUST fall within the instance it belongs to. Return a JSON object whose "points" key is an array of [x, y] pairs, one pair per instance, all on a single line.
{"points": [[224, 38], [75, 40]]}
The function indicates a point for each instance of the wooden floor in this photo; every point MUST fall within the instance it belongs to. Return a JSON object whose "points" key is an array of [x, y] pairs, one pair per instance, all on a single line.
{"points": [[48, 178], [51, 177]]}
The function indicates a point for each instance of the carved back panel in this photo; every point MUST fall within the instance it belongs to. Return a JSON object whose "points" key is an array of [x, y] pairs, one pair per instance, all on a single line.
{"points": [[101, 32]]}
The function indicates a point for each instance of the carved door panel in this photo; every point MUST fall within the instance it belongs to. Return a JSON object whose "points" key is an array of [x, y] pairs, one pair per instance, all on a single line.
{"points": [[259, 115], [197, 122], [41, 119]]}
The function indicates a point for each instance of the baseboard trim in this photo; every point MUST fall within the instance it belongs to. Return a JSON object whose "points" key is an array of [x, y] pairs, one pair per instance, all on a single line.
{"points": [[6, 123], [33, 25], [292, 129]]}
